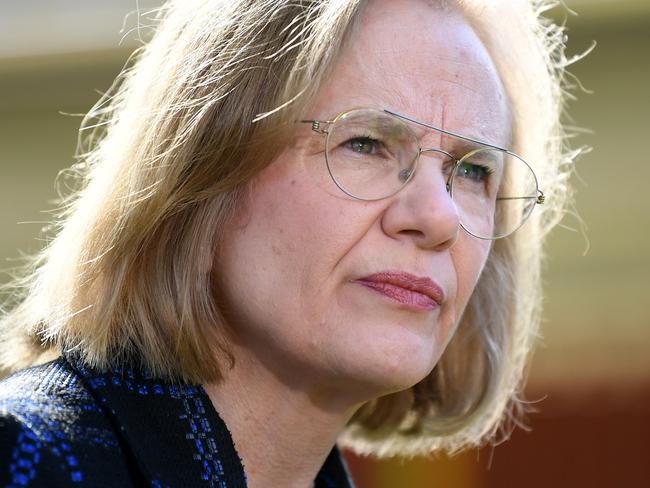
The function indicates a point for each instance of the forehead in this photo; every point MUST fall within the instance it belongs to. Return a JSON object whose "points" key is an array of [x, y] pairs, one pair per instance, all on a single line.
{"points": [[423, 61]]}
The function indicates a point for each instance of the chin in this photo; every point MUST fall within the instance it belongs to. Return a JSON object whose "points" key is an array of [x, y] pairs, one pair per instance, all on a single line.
{"points": [[404, 375], [376, 352], [382, 371]]}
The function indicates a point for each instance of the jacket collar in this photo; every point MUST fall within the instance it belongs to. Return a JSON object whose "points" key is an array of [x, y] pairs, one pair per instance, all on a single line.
{"points": [[173, 434]]}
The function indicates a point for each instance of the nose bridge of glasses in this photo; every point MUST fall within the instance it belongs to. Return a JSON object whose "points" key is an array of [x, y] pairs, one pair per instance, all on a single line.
{"points": [[436, 151], [442, 155]]}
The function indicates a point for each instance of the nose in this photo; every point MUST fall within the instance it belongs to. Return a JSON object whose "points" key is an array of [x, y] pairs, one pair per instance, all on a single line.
{"points": [[423, 210]]}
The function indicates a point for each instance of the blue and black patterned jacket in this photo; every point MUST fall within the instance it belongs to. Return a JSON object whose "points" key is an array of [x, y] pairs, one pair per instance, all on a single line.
{"points": [[63, 425]]}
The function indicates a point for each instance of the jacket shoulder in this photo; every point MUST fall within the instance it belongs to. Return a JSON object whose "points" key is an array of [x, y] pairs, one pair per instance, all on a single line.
{"points": [[54, 433]]}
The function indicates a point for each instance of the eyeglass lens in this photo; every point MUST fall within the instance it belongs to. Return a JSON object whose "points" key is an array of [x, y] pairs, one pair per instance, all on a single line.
{"points": [[372, 155]]}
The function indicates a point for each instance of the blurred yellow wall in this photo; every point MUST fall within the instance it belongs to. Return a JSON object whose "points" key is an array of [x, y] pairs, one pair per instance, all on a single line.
{"points": [[597, 322]]}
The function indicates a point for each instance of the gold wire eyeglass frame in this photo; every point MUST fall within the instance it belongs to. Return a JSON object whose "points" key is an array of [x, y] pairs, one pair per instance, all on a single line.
{"points": [[321, 127]]}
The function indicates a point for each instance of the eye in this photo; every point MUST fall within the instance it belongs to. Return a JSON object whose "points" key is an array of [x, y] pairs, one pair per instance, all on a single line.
{"points": [[474, 172], [363, 145]]}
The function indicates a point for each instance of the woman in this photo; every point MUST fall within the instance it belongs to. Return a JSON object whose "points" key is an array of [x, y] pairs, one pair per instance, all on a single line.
{"points": [[369, 278]]}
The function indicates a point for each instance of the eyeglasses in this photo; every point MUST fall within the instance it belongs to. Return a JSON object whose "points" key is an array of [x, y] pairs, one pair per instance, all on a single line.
{"points": [[371, 154]]}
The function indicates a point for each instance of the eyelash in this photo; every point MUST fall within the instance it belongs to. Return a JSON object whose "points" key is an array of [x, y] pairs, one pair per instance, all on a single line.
{"points": [[486, 171]]}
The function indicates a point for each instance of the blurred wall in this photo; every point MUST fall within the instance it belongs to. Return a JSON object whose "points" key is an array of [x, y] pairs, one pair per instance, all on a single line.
{"points": [[597, 326], [593, 366]]}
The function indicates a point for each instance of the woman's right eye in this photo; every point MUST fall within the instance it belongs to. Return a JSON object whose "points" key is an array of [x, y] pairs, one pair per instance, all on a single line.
{"points": [[476, 172], [363, 145]]}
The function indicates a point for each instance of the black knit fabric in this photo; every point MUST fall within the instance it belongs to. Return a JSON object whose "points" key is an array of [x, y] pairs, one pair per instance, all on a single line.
{"points": [[64, 425]]}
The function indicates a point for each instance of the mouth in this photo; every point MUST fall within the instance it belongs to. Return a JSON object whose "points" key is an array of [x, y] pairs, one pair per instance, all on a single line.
{"points": [[416, 292]]}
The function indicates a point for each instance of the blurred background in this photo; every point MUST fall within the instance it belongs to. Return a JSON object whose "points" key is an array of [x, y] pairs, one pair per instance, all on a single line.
{"points": [[590, 380]]}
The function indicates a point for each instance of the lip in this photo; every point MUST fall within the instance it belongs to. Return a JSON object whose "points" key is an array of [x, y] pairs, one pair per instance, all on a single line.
{"points": [[418, 292]]}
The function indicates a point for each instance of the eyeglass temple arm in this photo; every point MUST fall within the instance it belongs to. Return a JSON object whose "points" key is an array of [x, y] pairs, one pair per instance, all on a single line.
{"points": [[539, 199], [316, 125]]}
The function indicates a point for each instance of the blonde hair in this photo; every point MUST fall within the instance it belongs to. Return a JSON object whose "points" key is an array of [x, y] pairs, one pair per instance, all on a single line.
{"points": [[174, 144]]}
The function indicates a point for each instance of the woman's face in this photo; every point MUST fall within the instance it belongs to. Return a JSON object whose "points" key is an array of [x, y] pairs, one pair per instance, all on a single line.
{"points": [[311, 277]]}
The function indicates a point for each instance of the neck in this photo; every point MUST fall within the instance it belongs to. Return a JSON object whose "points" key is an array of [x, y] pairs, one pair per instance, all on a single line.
{"points": [[282, 431]]}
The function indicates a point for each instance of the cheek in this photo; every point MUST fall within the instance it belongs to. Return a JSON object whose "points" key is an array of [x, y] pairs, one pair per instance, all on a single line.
{"points": [[279, 252], [469, 256], [298, 210], [292, 240]]}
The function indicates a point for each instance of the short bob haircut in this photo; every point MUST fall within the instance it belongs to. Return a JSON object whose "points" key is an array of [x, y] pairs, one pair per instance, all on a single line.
{"points": [[197, 113]]}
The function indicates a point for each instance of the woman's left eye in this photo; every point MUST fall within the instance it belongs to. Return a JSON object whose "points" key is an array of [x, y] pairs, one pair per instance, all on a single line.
{"points": [[474, 172]]}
